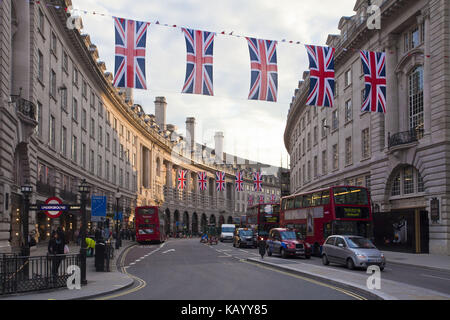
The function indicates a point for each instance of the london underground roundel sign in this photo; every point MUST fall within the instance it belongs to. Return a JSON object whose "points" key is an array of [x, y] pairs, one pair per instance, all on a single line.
{"points": [[53, 205]]}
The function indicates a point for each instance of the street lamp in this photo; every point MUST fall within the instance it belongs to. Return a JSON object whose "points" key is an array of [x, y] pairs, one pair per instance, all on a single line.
{"points": [[26, 191], [118, 196], [84, 189]]}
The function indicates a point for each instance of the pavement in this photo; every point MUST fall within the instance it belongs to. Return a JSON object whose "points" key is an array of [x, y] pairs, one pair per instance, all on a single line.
{"points": [[98, 283], [357, 280]]}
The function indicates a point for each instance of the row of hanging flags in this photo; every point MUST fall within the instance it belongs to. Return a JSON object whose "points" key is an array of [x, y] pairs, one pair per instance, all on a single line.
{"points": [[130, 46], [202, 180]]}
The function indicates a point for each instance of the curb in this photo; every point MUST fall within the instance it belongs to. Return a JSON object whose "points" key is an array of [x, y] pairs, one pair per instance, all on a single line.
{"points": [[417, 266], [336, 283]]}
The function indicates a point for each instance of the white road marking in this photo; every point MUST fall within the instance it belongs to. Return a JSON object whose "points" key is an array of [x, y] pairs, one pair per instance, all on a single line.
{"points": [[430, 276], [170, 250]]}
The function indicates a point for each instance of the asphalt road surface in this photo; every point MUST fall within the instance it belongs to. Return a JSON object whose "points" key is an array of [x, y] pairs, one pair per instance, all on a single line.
{"points": [[185, 269]]}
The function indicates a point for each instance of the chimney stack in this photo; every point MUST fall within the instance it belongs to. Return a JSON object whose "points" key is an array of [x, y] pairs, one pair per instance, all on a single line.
{"points": [[160, 112], [218, 139], [190, 133]]}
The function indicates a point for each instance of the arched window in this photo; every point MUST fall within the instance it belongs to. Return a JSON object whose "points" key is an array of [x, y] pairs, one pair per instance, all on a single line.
{"points": [[415, 101], [406, 181]]}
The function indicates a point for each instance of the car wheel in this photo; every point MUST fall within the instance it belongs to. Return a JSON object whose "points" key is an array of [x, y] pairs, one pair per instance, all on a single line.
{"points": [[350, 264], [325, 260], [283, 254]]}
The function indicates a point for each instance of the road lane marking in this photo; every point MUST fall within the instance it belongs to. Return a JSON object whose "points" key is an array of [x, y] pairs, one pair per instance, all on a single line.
{"points": [[431, 276], [349, 293], [170, 250]]}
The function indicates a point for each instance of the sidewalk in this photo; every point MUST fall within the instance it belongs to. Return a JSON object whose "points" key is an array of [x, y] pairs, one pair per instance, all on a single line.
{"points": [[99, 283], [390, 290], [429, 261]]}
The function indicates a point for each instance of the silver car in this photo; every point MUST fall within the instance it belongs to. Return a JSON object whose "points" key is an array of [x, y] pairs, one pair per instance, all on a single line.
{"points": [[352, 251]]}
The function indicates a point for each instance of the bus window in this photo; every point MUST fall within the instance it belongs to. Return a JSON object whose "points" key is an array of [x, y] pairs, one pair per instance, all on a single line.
{"points": [[290, 203], [298, 202], [283, 204], [307, 201], [350, 195], [327, 230], [326, 197], [316, 199]]}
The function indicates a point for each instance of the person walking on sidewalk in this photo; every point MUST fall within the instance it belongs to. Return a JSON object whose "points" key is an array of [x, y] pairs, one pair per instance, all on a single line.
{"points": [[55, 248], [262, 248]]}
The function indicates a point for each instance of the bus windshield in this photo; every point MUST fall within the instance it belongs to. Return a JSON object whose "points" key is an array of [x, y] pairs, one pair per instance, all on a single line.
{"points": [[350, 195], [228, 229]]}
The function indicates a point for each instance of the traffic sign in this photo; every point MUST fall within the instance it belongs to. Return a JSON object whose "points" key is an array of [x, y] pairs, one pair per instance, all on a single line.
{"points": [[53, 207]]}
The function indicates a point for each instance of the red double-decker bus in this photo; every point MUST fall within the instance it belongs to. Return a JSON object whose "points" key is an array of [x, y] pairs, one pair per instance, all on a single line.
{"points": [[338, 210], [149, 225], [262, 218]]}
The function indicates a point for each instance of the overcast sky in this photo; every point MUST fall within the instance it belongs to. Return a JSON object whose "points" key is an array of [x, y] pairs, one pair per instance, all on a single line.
{"points": [[252, 129]]}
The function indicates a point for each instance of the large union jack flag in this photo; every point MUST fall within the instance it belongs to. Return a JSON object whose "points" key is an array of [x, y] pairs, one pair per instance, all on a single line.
{"points": [[374, 65], [257, 181], [264, 71], [220, 181], [202, 181], [131, 37], [321, 75], [199, 66], [239, 181], [182, 179]]}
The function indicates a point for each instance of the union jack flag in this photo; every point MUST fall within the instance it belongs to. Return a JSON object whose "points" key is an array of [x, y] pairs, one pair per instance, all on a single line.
{"points": [[239, 181], [199, 62], [261, 199], [182, 179], [273, 198], [257, 181], [321, 75], [220, 181], [202, 181], [264, 71], [131, 37], [374, 65], [250, 200]]}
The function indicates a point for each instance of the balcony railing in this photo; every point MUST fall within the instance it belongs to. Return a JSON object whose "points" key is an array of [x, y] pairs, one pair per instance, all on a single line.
{"points": [[405, 137], [27, 108], [68, 195]]}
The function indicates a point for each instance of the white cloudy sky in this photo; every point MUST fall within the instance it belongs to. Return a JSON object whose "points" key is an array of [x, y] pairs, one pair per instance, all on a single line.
{"points": [[252, 129]]}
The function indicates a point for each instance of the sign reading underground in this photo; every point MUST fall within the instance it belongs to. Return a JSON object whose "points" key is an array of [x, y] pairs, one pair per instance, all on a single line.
{"points": [[53, 207]]}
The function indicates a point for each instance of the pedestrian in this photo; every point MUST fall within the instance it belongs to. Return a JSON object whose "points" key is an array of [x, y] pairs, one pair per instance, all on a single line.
{"points": [[262, 248], [55, 247]]}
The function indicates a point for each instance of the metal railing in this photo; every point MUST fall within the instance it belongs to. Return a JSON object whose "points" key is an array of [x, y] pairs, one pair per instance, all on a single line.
{"points": [[23, 274], [27, 108], [45, 189], [405, 137]]}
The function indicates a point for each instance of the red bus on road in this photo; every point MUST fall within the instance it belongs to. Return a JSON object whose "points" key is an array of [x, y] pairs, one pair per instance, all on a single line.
{"points": [[338, 210], [149, 225], [263, 217]]}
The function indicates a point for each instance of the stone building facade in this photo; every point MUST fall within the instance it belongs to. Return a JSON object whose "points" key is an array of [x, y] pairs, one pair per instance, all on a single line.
{"points": [[62, 121], [401, 156]]}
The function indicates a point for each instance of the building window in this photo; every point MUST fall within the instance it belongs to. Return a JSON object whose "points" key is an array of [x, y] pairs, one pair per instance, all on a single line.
{"points": [[92, 99], [309, 141], [115, 147], [335, 157], [335, 120], [93, 128], [395, 189], [75, 76], [365, 143], [41, 21], [64, 141], [52, 136], [84, 119], [100, 108], [107, 170], [348, 151], [40, 66], [316, 133], [121, 178], [99, 166], [324, 128], [416, 100], [39, 119], [65, 62], [348, 78], [108, 142], [348, 110], [83, 155], [408, 180], [121, 152], [91, 161], [304, 146], [127, 181], [420, 184], [367, 178], [309, 171], [100, 135], [53, 83], [64, 100], [114, 174], [74, 149], [324, 162], [54, 44], [315, 167], [84, 89]]}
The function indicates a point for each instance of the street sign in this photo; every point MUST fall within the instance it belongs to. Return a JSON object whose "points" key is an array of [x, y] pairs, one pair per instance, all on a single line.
{"points": [[98, 205], [120, 216], [53, 207]]}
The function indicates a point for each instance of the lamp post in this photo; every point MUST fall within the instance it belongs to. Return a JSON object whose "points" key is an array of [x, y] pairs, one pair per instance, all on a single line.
{"points": [[84, 189], [26, 191], [118, 196]]}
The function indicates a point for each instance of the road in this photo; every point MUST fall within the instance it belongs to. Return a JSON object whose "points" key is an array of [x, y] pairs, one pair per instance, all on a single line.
{"points": [[185, 269]]}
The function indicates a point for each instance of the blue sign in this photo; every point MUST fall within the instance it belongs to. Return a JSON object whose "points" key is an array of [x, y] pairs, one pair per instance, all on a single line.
{"points": [[98, 208], [120, 216]]}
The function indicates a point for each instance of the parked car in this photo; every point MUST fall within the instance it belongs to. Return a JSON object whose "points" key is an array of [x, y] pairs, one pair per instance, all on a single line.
{"points": [[244, 237], [352, 251], [286, 242]]}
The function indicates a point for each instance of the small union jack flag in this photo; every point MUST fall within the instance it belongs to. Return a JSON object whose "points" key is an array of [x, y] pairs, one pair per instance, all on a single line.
{"points": [[264, 70], [321, 75], [220, 181], [257, 181], [250, 200], [261, 199], [273, 198], [202, 181], [131, 37], [239, 181], [182, 179], [374, 65], [199, 67]]}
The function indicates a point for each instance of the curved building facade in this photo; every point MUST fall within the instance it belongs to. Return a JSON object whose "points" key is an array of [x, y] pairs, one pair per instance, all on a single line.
{"points": [[401, 156]]}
